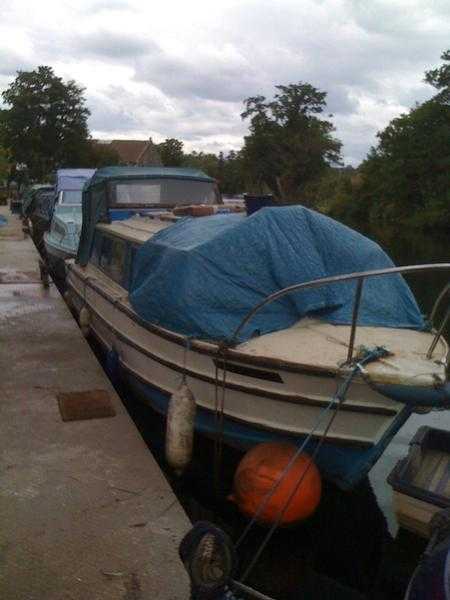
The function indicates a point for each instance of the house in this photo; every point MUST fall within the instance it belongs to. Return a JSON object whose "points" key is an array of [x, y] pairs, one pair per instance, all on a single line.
{"points": [[133, 152]]}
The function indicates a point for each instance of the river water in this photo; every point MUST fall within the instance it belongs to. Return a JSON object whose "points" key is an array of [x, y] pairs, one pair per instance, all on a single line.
{"points": [[407, 248], [415, 247]]}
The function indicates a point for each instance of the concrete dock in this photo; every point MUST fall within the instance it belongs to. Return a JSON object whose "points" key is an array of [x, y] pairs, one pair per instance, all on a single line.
{"points": [[85, 512]]}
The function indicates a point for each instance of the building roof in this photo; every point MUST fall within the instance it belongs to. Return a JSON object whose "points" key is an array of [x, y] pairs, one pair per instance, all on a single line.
{"points": [[134, 152]]}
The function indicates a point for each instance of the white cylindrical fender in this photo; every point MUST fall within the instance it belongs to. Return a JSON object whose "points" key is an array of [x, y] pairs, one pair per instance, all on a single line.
{"points": [[68, 298], [84, 319], [180, 428]]}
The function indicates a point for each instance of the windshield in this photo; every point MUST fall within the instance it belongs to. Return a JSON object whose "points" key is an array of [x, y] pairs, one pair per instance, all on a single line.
{"points": [[164, 191], [70, 197]]}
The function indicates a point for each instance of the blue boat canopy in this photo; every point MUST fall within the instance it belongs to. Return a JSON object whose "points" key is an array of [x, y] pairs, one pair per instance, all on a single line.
{"points": [[112, 173], [200, 277], [72, 179], [135, 189]]}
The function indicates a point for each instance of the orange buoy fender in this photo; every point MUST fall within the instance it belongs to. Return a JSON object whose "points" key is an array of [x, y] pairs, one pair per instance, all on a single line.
{"points": [[180, 428], [259, 471]]}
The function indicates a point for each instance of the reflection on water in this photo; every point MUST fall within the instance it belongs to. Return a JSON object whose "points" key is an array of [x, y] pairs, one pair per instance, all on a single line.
{"points": [[412, 247]]}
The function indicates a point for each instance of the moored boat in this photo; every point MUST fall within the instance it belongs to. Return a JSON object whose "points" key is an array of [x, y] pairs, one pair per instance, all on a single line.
{"points": [[61, 241], [37, 212], [171, 300]]}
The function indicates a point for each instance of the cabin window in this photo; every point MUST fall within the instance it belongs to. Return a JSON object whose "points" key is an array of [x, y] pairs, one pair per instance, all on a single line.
{"points": [[116, 268], [131, 253], [105, 254], [162, 191], [71, 197], [96, 248], [110, 255]]}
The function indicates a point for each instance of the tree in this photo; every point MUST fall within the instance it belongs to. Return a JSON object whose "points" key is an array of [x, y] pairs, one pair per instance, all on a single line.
{"points": [[171, 152], [233, 181], [289, 145], [5, 165], [207, 162], [406, 177], [440, 79], [45, 123], [226, 169]]}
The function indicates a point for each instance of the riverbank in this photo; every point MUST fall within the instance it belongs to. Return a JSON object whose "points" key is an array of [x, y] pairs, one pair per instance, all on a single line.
{"points": [[85, 510]]}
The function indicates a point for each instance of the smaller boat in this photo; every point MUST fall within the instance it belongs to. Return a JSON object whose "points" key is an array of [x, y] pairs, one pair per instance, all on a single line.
{"points": [[27, 197], [37, 211], [61, 241], [421, 480]]}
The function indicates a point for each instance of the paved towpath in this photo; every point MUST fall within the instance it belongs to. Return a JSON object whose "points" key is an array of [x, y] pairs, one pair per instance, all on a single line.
{"points": [[85, 512]]}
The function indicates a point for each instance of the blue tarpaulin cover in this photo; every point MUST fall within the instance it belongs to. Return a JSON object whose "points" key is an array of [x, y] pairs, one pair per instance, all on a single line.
{"points": [[200, 277]]}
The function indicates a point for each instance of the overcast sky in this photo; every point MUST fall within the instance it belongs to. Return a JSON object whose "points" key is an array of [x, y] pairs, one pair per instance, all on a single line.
{"points": [[181, 69]]}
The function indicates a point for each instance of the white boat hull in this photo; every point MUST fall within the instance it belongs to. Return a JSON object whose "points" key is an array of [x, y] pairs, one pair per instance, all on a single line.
{"points": [[271, 402]]}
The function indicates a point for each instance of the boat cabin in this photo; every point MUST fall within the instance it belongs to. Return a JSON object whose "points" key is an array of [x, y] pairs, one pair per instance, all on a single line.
{"points": [[118, 193]]}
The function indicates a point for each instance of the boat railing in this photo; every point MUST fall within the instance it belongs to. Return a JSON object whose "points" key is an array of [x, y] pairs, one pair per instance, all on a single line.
{"points": [[445, 319], [360, 278]]}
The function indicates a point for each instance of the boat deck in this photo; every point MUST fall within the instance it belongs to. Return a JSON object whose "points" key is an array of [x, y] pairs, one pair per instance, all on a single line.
{"points": [[85, 511], [315, 342]]}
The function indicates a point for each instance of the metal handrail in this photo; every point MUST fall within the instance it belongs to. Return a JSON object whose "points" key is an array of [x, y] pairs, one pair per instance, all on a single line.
{"points": [[439, 299], [360, 278], [444, 321]]}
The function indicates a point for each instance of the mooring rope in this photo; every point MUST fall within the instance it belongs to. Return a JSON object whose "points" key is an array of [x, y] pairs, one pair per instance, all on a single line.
{"points": [[219, 409], [187, 347], [338, 398]]}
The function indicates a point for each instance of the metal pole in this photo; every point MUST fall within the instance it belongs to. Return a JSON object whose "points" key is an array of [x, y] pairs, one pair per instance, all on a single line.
{"points": [[438, 334], [445, 289], [240, 587], [356, 305], [330, 280]]}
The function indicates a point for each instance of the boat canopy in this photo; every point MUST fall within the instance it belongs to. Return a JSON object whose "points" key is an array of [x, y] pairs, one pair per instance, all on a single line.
{"points": [[72, 179], [42, 206], [29, 194], [126, 188], [201, 276]]}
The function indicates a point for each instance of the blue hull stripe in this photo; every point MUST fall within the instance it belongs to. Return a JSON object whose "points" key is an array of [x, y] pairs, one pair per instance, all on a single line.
{"points": [[344, 465], [435, 397]]}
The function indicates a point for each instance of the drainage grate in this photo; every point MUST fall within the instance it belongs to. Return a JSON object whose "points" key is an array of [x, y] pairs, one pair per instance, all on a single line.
{"points": [[78, 406]]}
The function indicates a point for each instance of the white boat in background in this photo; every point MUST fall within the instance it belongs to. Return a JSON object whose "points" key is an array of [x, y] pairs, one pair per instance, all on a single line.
{"points": [[271, 387], [62, 238]]}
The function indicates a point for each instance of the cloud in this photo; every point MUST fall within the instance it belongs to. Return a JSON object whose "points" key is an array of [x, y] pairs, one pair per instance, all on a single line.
{"points": [[146, 113], [100, 44], [105, 6], [110, 45], [213, 74], [11, 62]]}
